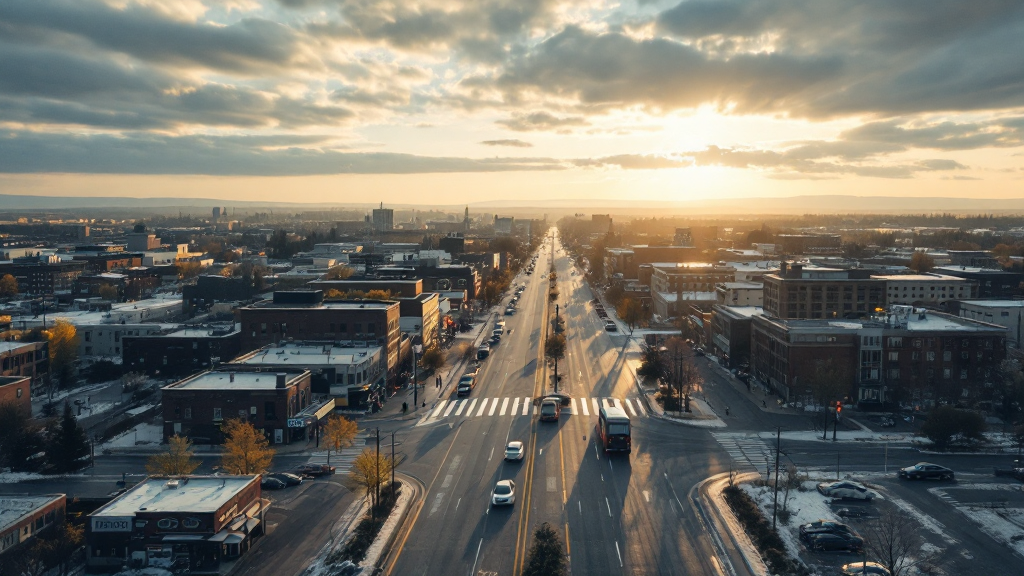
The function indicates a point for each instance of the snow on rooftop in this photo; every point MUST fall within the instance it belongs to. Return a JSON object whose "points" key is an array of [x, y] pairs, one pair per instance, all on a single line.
{"points": [[223, 380], [13, 508], [12, 346], [312, 355], [994, 303], [194, 494]]}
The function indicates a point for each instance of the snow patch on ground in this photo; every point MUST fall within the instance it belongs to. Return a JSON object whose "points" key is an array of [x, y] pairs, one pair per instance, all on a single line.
{"points": [[140, 435], [144, 572], [926, 521], [15, 477], [806, 506], [139, 410], [1004, 525]]}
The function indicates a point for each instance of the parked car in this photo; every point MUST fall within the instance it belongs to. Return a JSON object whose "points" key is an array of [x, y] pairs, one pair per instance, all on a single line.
{"points": [[310, 469], [514, 451], [483, 351], [835, 543], [862, 568], [494, 340], [926, 471], [846, 489], [824, 527], [269, 483], [287, 478], [510, 311], [698, 351], [504, 493], [611, 326]]}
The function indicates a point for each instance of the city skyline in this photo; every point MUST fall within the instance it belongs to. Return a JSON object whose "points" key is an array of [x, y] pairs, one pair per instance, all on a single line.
{"points": [[457, 102]]}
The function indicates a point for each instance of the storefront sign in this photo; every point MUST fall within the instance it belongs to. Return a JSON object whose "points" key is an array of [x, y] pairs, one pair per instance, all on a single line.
{"points": [[112, 524]]}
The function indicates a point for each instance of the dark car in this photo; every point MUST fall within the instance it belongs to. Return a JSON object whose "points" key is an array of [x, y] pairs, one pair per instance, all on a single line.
{"points": [[272, 483], [835, 542], [286, 477], [698, 351], [926, 471], [314, 470], [812, 529]]}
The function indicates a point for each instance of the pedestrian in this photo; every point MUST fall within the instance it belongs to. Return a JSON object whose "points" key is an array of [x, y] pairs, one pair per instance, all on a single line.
{"points": [[764, 404], [726, 410], [405, 407]]}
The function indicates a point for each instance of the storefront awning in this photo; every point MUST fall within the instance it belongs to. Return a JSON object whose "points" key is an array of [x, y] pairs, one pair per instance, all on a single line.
{"points": [[234, 538], [251, 525], [219, 536], [184, 538]]}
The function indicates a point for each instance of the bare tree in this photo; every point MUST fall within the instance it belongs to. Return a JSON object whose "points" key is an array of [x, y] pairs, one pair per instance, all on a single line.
{"points": [[894, 538]]}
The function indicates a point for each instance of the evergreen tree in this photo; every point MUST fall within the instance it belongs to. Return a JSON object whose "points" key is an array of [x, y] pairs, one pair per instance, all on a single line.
{"points": [[545, 557], [68, 443]]}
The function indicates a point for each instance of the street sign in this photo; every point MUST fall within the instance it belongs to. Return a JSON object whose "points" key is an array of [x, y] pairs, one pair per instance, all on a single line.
{"points": [[296, 422]]}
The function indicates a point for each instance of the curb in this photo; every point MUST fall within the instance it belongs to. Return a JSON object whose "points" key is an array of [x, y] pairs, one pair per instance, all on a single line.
{"points": [[739, 539], [389, 541]]}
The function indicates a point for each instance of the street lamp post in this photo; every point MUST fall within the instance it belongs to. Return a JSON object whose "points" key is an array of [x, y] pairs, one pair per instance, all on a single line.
{"points": [[556, 357], [415, 376]]}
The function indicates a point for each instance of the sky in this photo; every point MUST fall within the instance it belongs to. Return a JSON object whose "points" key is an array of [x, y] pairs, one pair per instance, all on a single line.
{"points": [[430, 101]]}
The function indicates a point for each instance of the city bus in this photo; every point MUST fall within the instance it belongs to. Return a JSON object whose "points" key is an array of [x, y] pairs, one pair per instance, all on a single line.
{"points": [[613, 429]]}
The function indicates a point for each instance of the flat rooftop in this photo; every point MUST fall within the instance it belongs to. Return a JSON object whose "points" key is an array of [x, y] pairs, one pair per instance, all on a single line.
{"points": [[919, 277], [12, 346], [194, 494], [14, 508], [743, 311], [331, 305], [242, 381], [311, 354], [994, 303]]}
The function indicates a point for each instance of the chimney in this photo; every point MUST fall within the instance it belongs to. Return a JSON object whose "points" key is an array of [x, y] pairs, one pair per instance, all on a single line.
{"points": [[282, 380], [231, 377]]}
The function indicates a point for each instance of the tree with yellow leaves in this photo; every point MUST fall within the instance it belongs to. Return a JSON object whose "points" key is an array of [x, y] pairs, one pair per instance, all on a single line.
{"points": [[62, 339], [177, 460], [246, 450], [370, 470], [339, 432], [378, 295]]}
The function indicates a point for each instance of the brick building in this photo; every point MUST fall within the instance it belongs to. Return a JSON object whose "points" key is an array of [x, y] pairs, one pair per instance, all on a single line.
{"points": [[17, 390], [420, 316], [44, 278], [181, 351], [799, 292], [399, 288], [25, 359], [198, 406], [730, 332], [23, 517], [907, 356], [192, 523], [303, 315]]}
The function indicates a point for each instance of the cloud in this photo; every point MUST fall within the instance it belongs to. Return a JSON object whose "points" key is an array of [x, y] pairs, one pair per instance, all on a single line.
{"points": [[635, 162], [508, 142], [27, 152], [541, 121]]}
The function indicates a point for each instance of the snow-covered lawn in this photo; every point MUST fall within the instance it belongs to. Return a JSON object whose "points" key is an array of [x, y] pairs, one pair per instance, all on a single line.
{"points": [[804, 506], [140, 435]]}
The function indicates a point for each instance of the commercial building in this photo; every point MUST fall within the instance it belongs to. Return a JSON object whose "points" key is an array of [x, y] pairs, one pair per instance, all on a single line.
{"points": [[181, 351], [799, 292], [44, 278], [25, 360], [17, 391], [927, 290], [808, 243], [627, 261], [23, 517], [353, 377], [189, 523], [198, 406], [740, 293], [303, 315], [730, 332], [907, 356], [1006, 313], [677, 286], [420, 317], [504, 226], [399, 288], [993, 284], [383, 219]]}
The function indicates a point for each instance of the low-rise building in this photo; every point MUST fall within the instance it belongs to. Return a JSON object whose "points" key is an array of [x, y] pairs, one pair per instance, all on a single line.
{"points": [[399, 288], [17, 391], [353, 377], [25, 360], [181, 351], [421, 317], [198, 406], [992, 283], [927, 290], [804, 292], [191, 523], [23, 517], [1006, 313], [740, 293], [730, 332]]}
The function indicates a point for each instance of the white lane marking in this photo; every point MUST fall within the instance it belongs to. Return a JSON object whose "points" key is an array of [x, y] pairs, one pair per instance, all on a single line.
{"points": [[526, 406], [504, 407], [477, 558], [494, 406], [630, 406], [436, 504], [551, 484], [482, 406], [616, 403], [619, 553], [640, 407], [459, 501], [462, 406], [647, 495], [440, 407], [492, 454], [515, 406], [447, 481], [469, 411], [541, 452], [583, 404], [579, 504], [451, 406], [596, 453], [608, 504], [597, 409]]}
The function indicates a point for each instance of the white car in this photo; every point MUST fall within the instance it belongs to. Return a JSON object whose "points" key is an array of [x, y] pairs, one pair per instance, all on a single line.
{"points": [[504, 493], [847, 490], [514, 450]]}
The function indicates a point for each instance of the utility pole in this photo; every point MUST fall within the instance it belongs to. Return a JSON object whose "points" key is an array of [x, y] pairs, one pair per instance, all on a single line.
{"points": [[775, 502], [392, 467], [377, 479]]}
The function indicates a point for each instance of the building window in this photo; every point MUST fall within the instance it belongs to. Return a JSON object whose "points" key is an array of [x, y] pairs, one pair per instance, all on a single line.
{"points": [[915, 356], [947, 356], [930, 356], [894, 356], [241, 414], [895, 342], [88, 336], [188, 413], [217, 414], [963, 373], [894, 374], [947, 373], [965, 355]]}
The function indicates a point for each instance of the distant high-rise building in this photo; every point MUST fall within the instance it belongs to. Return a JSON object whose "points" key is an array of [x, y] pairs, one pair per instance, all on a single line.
{"points": [[216, 212], [465, 219], [383, 219]]}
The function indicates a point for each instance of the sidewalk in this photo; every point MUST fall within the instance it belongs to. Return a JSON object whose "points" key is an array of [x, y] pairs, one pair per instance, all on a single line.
{"points": [[757, 394]]}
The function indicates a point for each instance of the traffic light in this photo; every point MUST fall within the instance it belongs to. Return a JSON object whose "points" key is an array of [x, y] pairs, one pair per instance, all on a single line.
{"points": [[839, 409]]}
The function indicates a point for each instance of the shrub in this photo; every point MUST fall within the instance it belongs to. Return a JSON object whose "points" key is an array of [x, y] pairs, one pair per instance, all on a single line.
{"points": [[760, 531], [948, 426]]}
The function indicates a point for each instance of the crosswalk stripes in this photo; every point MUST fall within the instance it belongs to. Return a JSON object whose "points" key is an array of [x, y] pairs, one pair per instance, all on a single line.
{"points": [[745, 449], [342, 461], [510, 406]]}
